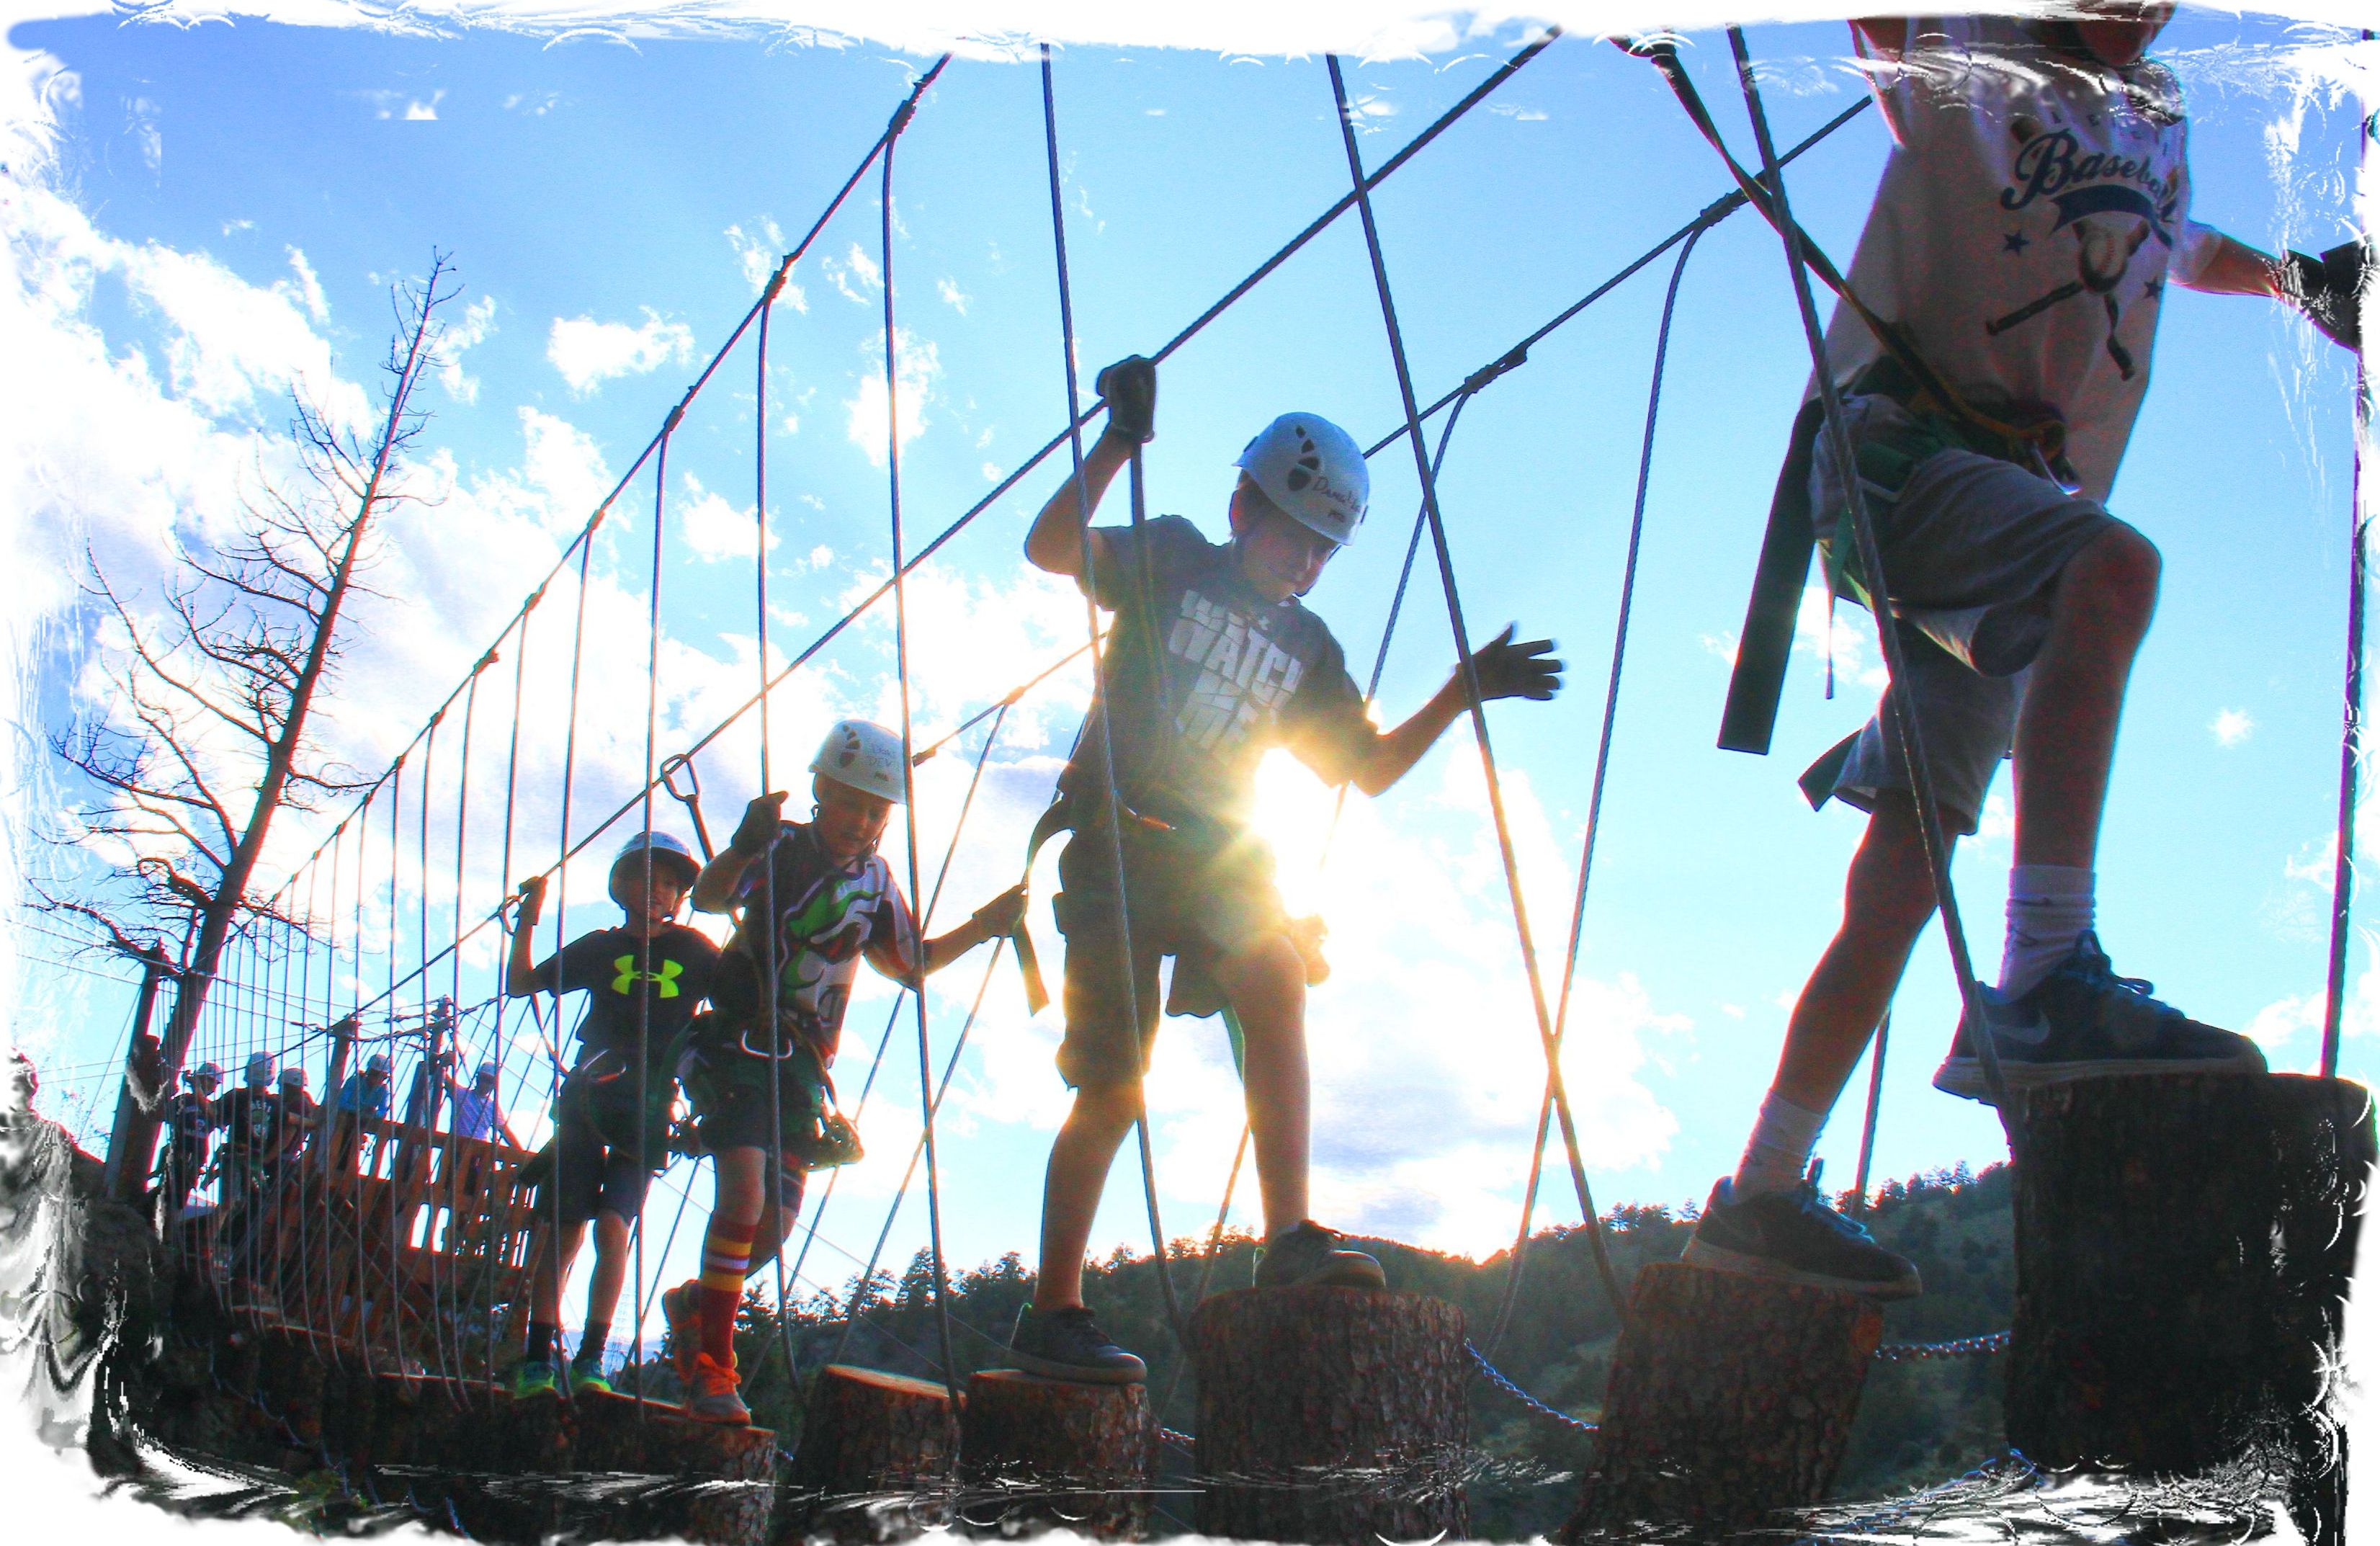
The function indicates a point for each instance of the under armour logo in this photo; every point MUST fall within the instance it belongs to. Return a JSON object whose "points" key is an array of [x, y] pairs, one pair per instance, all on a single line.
{"points": [[629, 977]]}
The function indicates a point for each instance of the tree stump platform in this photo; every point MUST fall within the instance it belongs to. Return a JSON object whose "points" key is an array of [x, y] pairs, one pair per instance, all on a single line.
{"points": [[875, 1460], [1330, 1415], [1050, 1453], [2183, 1248], [1732, 1398]]}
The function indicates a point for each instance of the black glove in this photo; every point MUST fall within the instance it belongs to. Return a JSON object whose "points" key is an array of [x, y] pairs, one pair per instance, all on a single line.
{"points": [[1001, 914], [2329, 290], [761, 819], [1510, 670], [1130, 387]]}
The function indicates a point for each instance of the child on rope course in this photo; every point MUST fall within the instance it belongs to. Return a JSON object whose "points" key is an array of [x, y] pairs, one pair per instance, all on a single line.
{"points": [[648, 974], [2033, 209], [755, 1088], [1213, 661]]}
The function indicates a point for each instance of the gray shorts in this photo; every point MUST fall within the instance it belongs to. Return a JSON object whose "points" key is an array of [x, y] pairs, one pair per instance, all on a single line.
{"points": [[1973, 547]]}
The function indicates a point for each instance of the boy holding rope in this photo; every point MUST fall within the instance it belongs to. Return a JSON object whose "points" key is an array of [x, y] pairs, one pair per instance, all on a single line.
{"points": [[819, 898], [2035, 207], [643, 977], [1212, 661]]}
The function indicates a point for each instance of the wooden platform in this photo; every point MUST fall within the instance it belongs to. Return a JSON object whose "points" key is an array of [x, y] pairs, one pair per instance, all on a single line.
{"points": [[1731, 1399], [301, 1403]]}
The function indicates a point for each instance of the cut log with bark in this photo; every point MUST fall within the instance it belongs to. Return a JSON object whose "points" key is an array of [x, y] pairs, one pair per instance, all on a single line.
{"points": [[1730, 1402], [2183, 1247], [1051, 1454], [877, 1461], [1330, 1415]]}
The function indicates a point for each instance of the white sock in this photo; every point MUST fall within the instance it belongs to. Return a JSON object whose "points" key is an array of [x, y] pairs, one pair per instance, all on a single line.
{"points": [[2049, 906], [1779, 1149]]}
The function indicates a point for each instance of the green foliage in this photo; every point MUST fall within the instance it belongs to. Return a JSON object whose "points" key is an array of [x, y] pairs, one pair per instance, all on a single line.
{"points": [[1920, 1421]]}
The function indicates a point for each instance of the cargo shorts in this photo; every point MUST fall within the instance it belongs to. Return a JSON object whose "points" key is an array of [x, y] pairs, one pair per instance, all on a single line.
{"points": [[1200, 901], [1973, 547]]}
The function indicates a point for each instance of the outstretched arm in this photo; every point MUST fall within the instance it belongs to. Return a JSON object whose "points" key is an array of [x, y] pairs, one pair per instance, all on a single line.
{"points": [[1505, 669], [2329, 289], [994, 918]]}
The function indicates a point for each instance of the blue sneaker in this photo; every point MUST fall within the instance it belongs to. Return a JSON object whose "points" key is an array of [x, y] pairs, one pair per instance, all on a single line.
{"points": [[1793, 1236], [2083, 1022]]}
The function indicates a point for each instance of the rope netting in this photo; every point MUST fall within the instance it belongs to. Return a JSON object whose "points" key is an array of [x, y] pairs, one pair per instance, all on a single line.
{"points": [[414, 1239]]}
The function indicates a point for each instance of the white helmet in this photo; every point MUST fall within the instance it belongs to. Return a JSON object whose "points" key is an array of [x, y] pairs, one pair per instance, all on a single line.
{"points": [[486, 1073], [259, 1068], [1314, 470], [865, 756], [376, 1064]]}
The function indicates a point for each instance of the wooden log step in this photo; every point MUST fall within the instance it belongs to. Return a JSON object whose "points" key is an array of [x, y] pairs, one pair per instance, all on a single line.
{"points": [[1051, 1453], [1731, 1399], [1330, 1415], [877, 1458], [730, 1472], [2183, 1248]]}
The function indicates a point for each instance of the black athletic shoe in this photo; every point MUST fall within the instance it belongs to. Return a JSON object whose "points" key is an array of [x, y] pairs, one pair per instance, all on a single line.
{"points": [[1308, 1254], [1068, 1345], [1794, 1237], [2082, 1022]]}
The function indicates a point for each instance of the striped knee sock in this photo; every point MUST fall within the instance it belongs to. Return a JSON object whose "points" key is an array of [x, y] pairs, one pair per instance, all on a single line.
{"points": [[725, 1253]]}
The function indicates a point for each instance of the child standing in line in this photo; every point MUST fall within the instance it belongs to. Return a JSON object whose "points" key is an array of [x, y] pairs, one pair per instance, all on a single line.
{"points": [[643, 977]]}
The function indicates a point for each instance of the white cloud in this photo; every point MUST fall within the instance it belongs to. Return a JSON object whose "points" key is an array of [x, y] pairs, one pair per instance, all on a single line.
{"points": [[714, 529], [919, 366], [757, 253], [588, 353], [2230, 727], [309, 288], [479, 320], [952, 296]]}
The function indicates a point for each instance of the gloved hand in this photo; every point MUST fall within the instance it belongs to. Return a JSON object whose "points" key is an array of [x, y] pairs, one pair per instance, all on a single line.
{"points": [[2329, 290], [761, 819], [1130, 387], [1510, 670], [1001, 914]]}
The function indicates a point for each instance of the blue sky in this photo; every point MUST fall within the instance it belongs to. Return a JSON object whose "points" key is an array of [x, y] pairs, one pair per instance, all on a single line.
{"points": [[209, 213]]}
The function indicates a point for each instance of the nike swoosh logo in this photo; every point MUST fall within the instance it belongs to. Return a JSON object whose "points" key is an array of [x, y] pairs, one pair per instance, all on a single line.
{"points": [[2032, 1032]]}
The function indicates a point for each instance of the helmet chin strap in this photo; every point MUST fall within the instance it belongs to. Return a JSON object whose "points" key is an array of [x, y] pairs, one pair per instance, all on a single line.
{"points": [[867, 847]]}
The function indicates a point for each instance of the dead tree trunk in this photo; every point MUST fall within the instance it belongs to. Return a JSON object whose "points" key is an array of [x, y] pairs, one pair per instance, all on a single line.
{"points": [[1055, 1455], [1732, 1398], [876, 1459], [2183, 1247], [1330, 1415]]}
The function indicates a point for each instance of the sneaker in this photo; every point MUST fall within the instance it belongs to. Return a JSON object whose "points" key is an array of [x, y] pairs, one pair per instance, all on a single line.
{"points": [[1794, 1237], [2082, 1021], [1308, 1255], [533, 1378], [712, 1393], [587, 1374], [682, 1313], [1068, 1345]]}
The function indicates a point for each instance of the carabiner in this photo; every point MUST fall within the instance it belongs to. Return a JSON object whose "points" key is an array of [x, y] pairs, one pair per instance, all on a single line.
{"points": [[690, 796], [774, 1057]]}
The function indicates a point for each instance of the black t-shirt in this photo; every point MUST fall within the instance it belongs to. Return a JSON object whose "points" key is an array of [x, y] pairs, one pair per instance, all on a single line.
{"points": [[251, 1122], [192, 1119], [1233, 676], [670, 973]]}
